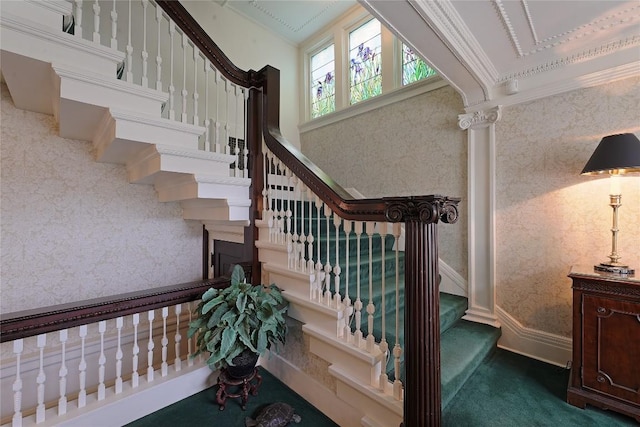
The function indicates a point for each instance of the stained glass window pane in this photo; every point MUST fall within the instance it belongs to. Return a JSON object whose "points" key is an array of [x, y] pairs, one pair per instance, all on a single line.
{"points": [[365, 62], [413, 67], [323, 84]]}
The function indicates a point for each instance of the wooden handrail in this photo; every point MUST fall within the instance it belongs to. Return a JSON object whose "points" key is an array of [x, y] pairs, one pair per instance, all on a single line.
{"points": [[176, 11], [22, 324]]}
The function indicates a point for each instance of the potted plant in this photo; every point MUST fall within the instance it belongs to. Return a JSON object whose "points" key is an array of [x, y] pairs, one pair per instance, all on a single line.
{"points": [[237, 324]]}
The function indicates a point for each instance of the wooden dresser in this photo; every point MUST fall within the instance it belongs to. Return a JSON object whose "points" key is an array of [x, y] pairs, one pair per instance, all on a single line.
{"points": [[605, 371]]}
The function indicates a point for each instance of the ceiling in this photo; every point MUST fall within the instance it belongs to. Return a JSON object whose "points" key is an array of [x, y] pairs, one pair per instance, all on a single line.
{"points": [[485, 48], [295, 20]]}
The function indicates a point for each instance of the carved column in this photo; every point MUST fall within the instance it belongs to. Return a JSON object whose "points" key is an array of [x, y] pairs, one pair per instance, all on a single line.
{"points": [[422, 403], [481, 201]]}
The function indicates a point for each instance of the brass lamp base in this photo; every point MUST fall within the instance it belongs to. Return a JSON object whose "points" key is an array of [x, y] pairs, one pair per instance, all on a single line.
{"points": [[616, 268]]}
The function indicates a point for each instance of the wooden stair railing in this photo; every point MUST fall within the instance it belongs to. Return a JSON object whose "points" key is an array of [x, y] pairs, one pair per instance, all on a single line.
{"points": [[422, 404], [27, 323]]}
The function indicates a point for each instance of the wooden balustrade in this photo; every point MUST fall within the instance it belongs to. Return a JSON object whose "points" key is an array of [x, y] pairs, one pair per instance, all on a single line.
{"points": [[253, 98], [101, 357]]}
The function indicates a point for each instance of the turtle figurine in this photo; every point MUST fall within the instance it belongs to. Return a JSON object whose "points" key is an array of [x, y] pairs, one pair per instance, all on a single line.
{"points": [[277, 414]]}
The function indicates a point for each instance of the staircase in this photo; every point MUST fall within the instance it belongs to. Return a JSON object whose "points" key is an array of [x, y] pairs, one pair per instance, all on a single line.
{"points": [[53, 72], [76, 80], [366, 376]]}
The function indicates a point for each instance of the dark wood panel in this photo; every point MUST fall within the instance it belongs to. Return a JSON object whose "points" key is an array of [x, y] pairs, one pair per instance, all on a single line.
{"points": [[611, 348]]}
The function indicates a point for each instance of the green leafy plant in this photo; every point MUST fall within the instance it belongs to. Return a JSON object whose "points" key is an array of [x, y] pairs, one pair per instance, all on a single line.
{"points": [[237, 318]]}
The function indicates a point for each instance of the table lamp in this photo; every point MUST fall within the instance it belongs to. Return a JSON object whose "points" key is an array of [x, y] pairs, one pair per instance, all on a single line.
{"points": [[615, 155]]}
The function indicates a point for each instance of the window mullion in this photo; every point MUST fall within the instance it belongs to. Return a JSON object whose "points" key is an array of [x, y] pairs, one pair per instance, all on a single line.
{"points": [[390, 62]]}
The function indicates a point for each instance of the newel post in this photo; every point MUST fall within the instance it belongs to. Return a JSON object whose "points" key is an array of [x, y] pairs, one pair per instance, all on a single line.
{"points": [[422, 402]]}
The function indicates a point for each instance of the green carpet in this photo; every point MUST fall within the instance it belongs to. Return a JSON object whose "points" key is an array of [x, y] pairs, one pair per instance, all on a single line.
{"points": [[201, 409], [513, 390]]}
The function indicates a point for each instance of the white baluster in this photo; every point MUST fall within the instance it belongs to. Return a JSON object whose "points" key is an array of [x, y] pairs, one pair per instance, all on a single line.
{"points": [[62, 373], [303, 235], [218, 79], [240, 161], [165, 342], [18, 347], [172, 88], [114, 27], [159, 57], [196, 56], [129, 49], [384, 346], [96, 22], [319, 266], [328, 296], [397, 350], [145, 54], [77, 30], [246, 141], [310, 240], [40, 379], [287, 215], [227, 130], [207, 119], [135, 378], [150, 346], [190, 341], [102, 327], [82, 368], [265, 181], [357, 336], [119, 354], [177, 363], [371, 308], [295, 237], [348, 309], [336, 268], [184, 92]]}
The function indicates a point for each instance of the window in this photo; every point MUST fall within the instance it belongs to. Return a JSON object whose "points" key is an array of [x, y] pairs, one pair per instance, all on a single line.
{"points": [[365, 62], [323, 82], [354, 60], [413, 67]]}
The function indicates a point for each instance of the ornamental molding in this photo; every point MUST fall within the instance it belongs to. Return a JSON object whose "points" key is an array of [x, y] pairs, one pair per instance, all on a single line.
{"points": [[294, 29], [424, 209], [479, 119]]}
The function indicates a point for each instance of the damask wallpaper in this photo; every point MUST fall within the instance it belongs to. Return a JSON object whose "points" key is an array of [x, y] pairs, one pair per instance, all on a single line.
{"points": [[73, 229], [411, 147], [549, 217]]}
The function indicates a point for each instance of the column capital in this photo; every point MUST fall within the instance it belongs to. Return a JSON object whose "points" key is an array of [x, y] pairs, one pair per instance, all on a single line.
{"points": [[425, 209], [479, 119]]}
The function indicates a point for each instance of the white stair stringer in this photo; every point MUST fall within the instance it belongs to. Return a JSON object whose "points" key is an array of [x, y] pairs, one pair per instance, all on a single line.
{"points": [[354, 368], [382, 409], [122, 137], [52, 72], [156, 159], [83, 99]]}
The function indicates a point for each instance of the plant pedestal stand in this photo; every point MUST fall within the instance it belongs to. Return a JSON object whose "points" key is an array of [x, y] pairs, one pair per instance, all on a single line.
{"points": [[237, 387]]}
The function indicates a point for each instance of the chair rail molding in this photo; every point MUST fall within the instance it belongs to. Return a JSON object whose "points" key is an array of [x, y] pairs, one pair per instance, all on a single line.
{"points": [[481, 141]]}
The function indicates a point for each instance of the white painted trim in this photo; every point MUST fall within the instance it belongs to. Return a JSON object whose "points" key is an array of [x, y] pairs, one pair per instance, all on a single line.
{"points": [[539, 345], [133, 404], [452, 282], [380, 101], [312, 391], [561, 86]]}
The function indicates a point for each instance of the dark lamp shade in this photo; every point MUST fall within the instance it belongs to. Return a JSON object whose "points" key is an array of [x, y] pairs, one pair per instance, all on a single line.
{"points": [[619, 153]]}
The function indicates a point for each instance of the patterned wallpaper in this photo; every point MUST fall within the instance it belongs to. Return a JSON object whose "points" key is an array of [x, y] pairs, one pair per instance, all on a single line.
{"points": [[549, 217], [411, 147], [73, 229]]}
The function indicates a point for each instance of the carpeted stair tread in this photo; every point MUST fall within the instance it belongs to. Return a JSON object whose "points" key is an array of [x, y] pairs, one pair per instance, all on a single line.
{"points": [[463, 348], [452, 308]]}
